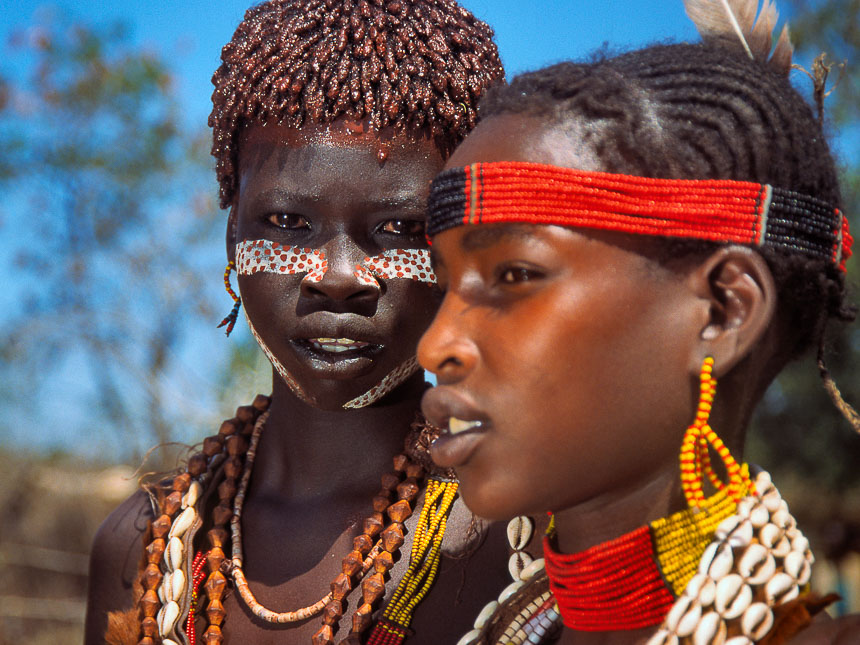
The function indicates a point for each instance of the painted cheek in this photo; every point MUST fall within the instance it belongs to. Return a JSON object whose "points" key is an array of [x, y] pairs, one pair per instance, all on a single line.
{"points": [[394, 378], [255, 256], [413, 264], [279, 367]]}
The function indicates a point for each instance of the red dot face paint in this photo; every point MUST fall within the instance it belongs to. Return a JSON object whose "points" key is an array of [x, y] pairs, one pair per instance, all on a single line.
{"points": [[254, 256], [413, 264]]}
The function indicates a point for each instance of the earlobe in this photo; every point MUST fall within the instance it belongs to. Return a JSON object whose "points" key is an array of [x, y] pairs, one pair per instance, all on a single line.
{"points": [[738, 286]]}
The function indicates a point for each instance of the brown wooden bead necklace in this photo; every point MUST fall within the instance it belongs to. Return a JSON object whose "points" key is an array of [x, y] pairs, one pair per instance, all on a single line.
{"points": [[375, 547], [236, 530]]}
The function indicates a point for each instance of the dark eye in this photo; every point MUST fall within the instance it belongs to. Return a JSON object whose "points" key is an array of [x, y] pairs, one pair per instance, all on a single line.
{"points": [[401, 227], [288, 220], [515, 275]]}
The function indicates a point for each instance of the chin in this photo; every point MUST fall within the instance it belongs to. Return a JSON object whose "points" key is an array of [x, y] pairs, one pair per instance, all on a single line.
{"points": [[492, 502]]}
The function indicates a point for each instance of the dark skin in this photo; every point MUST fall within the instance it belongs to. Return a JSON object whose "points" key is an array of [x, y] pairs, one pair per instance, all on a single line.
{"points": [[318, 466], [580, 355]]}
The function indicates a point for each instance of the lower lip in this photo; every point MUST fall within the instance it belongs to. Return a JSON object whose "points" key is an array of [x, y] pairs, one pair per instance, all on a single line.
{"points": [[453, 450], [337, 365]]}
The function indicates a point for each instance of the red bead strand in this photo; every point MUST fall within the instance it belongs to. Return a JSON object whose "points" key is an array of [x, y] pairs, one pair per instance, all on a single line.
{"points": [[613, 586], [197, 578], [716, 210]]}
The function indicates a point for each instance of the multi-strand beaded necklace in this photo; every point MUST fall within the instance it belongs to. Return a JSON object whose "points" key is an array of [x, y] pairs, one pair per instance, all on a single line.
{"points": [[717, 574], [174, 576], [632, 581]]}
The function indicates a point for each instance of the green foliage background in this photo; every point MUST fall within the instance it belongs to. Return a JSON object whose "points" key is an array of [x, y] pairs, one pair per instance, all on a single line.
{"points": [[798, 432]]}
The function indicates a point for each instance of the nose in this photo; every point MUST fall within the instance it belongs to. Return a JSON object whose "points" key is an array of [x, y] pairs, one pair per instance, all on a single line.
{"points": [[340, 281], [446, 349]]}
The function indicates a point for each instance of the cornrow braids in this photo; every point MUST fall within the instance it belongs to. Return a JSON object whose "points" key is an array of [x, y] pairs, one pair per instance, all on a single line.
{"points": [[418, 66], [699, 111]]}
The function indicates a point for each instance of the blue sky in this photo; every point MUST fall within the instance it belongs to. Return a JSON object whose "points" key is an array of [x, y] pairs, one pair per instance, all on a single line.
{"points": [[190, 33]]}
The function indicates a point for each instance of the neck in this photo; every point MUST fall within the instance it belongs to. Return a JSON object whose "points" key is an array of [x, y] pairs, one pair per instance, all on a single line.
{"points": [[308, 453], [609, 515]]}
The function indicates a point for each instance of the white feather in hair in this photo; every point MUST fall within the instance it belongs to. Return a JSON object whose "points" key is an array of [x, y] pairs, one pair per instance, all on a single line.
{"points": [[734, 22]]}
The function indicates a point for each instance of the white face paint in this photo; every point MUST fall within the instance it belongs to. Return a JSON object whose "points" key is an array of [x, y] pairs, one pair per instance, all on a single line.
{"points": [[254, 256], [396, 263], [295, 388]]}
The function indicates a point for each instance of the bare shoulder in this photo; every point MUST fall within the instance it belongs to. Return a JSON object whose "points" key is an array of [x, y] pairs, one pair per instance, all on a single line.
{"points": [[114, 559], [826, 631]]}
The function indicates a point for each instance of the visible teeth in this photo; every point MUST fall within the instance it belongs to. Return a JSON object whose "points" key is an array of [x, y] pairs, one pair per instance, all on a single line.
{"points": [[337, 345], [456, 425]]}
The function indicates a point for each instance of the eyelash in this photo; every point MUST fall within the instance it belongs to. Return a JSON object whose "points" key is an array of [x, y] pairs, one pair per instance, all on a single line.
{"points": [[418, 224], [518, 275], [272, 218], [297, 222]]}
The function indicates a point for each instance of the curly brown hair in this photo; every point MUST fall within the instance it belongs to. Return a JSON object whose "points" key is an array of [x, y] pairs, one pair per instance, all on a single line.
{"points": [[418, 66]]}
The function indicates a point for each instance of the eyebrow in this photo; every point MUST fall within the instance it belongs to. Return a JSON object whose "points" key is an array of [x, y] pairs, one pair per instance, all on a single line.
{"points": [[483, 236], [412, 202]]}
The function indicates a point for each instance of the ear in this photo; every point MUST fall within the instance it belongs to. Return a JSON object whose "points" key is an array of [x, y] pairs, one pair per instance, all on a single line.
{"points": [[738, 287], [232, 234]]}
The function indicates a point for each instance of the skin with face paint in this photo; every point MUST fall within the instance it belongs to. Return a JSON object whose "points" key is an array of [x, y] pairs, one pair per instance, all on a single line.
{"points": [[341, 208], [567, 360]]}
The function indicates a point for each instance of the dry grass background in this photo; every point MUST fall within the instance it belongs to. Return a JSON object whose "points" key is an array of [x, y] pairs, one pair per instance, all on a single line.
{"points": [[51, 510], [53, 506]]}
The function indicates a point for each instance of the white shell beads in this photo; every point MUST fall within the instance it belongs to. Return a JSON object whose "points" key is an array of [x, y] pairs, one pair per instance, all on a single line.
{"points": [[758, 559], [175, 582], [522, 568], [520, 531]]}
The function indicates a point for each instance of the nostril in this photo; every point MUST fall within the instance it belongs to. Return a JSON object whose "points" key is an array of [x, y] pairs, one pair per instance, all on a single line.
{"points": [[451, 361]]}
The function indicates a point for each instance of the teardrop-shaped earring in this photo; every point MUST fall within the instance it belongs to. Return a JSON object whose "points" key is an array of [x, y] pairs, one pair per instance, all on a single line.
{"points": [[695, 458]]}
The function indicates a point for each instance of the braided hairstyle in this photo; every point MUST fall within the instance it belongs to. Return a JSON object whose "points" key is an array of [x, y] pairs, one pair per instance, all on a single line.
{"points": [[699, 111], [417, 65]]}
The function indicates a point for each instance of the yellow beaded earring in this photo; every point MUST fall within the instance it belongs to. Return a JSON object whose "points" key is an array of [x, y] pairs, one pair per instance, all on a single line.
{"points": [[695, 456]]}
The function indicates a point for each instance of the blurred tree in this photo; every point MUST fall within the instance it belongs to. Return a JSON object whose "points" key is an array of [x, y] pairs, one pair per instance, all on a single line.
{"points": [[109, 219], [798, 430]]}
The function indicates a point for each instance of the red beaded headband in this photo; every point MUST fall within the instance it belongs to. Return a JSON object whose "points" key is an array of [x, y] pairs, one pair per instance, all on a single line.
{"points": [[716, 210]]}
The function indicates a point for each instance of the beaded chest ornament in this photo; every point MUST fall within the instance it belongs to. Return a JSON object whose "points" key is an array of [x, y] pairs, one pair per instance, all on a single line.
{"points": [[174, 580]]}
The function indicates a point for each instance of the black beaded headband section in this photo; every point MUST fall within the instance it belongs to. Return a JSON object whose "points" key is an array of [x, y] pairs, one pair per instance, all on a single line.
{"points": [[713, 209]]}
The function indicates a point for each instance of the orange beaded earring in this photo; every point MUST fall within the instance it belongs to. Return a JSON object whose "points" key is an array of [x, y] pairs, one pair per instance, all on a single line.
{"points": [[695, 456], [230, 319]]}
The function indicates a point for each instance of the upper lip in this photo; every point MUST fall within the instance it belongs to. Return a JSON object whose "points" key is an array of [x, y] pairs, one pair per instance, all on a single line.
{"points": [[442, 402]]}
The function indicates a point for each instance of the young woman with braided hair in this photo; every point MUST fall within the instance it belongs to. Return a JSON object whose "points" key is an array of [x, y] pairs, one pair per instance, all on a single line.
{"points": [[330, 119], [613, 239]]}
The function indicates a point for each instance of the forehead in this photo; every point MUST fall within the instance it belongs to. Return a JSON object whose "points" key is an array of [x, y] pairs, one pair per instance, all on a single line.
{"points": [[344, 134], [572, 143], [335, 158]]}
